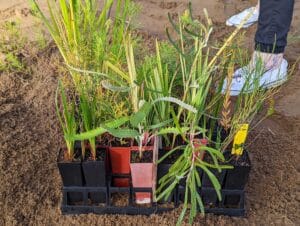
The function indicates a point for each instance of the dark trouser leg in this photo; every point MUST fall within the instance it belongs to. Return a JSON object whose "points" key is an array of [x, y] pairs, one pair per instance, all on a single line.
{"points": [[274, 22]]}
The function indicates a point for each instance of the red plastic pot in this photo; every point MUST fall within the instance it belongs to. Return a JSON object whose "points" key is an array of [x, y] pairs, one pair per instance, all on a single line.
{"points": [[197, 144], [119, 160], [142, 177]]}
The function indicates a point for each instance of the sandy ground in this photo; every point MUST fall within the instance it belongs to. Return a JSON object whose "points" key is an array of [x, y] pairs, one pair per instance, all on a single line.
{"points": [[30, 135]]}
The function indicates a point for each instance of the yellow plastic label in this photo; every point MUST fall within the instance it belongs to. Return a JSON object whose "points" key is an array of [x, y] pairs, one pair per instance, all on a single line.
{"points": [[240, 139]]}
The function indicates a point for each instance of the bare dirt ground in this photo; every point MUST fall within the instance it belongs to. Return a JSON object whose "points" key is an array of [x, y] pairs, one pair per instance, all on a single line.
{"points": [[30, 135]]}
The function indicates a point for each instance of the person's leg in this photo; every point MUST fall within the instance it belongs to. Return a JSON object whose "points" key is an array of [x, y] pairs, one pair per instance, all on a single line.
{"points": [[237, 19], [270, 41], [274, 22], [271, 37]]}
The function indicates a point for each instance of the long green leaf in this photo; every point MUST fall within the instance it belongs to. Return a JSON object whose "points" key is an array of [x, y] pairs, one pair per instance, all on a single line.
{"points": [[213, 180], [100, 130], [87, 135], [107, 85], [169, 153], [178, 102]]}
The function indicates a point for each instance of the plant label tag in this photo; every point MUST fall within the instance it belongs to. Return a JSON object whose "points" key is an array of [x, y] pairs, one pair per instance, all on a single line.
{"points": [[240, 139]]}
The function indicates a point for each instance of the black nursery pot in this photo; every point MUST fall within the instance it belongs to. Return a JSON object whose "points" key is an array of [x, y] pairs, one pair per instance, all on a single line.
{"points": [[162, 170], [237, 178], [164, 167], [95, 174], [71, 174], [211, 198]]}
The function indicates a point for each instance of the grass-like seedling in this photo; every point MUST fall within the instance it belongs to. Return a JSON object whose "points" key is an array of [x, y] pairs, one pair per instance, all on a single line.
{"points": [[65, 108], [245, 106], [88, 111], [158, 83], [85, 37]]}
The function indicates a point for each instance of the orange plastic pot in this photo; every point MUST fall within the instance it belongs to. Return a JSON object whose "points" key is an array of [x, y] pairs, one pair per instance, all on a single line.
{"points": [[119, 160], [142, 177]]}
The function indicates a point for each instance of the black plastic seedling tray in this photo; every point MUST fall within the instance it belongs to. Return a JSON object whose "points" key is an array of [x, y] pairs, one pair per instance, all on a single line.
{"points": [[233, 196], [86, 207], [108, 208], [219, 208]]}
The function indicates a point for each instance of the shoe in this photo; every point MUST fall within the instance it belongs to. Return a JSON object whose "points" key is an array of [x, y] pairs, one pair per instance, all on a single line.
{"points": [[237, 19], [241, 81]]}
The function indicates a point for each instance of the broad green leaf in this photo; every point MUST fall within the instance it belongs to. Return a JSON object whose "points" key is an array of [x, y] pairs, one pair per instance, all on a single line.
{"points": [[139, 116], [123, 133]]}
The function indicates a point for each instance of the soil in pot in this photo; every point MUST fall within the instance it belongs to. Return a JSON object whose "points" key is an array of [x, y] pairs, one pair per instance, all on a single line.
{"points": [[237, 177], [95, 173], [119, 154], [71, 174], [142, 174]]}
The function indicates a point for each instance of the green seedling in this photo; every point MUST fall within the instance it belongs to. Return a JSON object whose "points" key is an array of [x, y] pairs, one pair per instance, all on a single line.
{"points": [[84, 37], [65, 109]]}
